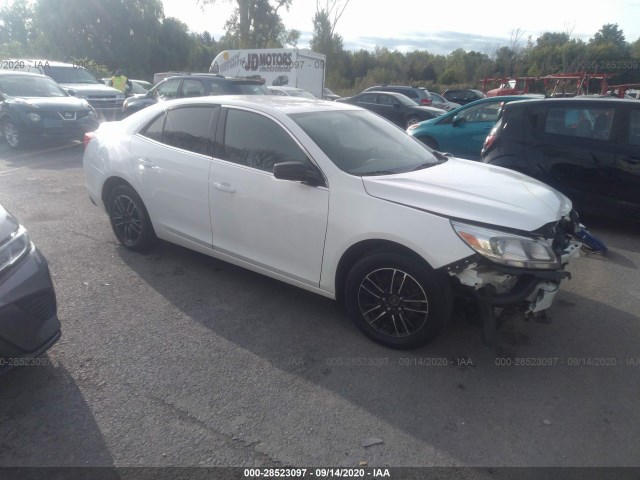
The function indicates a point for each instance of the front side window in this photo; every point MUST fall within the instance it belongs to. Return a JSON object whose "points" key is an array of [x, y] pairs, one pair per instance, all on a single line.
{"points": [[167, 90], [258, 142], [486, 112], [388, 100], [188, 128]]}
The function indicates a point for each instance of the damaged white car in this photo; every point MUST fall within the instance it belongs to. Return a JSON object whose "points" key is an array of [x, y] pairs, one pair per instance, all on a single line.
{"points": [[336, 200]]}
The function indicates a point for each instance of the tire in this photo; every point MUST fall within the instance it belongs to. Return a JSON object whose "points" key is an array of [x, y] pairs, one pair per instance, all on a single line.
{"points": [[130, 220], [11, 133], [412, 121], [412, 314], [429, 142]]}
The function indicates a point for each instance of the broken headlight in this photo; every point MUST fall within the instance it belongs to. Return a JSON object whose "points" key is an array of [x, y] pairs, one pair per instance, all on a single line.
{"points": [[507, 248]]}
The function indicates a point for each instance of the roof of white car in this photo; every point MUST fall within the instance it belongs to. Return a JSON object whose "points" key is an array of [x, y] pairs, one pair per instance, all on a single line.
{"points": [[266, 103]]}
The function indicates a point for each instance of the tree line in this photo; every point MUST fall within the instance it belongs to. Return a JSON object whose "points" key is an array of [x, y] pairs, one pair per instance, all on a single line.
{"points": [[137, 37]]}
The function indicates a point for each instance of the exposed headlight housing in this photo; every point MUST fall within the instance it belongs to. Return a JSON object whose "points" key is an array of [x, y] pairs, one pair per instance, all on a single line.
{"points": [[507, 248], [14, 248]]}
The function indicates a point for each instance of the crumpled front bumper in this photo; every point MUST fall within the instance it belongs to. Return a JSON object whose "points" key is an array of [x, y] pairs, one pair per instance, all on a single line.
{"points": [[502, 286]]}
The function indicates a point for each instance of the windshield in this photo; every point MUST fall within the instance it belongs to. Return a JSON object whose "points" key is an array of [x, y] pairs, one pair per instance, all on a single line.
{"points": [[362, 143], [137, 88], [70, 75], [253, 89], [301, 93], [20, 86]]}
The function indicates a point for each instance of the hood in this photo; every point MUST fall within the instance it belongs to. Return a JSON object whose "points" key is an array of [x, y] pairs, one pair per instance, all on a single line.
{"points": [[474, 191], [53, 103], [92, 89], [8, 224]]}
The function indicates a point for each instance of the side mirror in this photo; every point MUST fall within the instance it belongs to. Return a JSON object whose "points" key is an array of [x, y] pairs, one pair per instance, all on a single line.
{"points": [[71, 92], [297, 172], [457, 121]]}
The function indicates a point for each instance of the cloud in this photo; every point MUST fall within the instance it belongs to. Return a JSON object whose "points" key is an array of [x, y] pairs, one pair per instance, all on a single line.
{"points": [[441, 43]]}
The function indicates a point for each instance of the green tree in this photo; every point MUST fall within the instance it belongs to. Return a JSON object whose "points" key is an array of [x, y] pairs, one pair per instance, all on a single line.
{"points": [[257, 24], [16, 23]]}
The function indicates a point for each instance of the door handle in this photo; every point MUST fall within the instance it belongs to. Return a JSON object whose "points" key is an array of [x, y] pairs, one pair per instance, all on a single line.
{"points": [[225, 187], [144, 163]]}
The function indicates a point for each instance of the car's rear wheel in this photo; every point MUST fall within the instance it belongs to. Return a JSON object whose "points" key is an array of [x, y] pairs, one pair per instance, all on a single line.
{"points": [[129, 219], [11, 133], [396, 300], [429, 142]]}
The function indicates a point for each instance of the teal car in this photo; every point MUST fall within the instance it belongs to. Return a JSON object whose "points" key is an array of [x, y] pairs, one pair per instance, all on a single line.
{"points": [[461, 132]]}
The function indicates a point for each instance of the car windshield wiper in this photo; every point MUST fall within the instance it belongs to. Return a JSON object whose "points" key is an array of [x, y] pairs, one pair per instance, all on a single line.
{"points": [[379, 172], [425, 165]]}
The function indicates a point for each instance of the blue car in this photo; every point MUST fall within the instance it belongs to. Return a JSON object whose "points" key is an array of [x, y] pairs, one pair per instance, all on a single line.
{"points": [[462, 131]]}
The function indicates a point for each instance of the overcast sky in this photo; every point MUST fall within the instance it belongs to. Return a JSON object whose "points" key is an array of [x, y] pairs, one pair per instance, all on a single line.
{"points": [[439, 27]]}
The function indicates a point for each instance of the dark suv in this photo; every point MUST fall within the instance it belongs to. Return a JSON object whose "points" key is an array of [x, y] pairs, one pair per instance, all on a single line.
{"points": [[194, 85], [587, 148], [417, 94], [463, 95]]}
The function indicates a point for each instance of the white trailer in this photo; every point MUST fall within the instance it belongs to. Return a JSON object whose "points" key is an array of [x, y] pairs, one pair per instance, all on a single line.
{"points": [[276, 66]]}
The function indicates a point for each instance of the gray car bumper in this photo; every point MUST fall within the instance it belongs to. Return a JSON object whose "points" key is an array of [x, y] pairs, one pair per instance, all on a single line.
{"points": [[29, 323]]}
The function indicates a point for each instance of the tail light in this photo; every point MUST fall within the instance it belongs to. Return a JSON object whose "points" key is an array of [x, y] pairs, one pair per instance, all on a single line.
{"points": [[87, 138], [426, 101], [491, 138]]}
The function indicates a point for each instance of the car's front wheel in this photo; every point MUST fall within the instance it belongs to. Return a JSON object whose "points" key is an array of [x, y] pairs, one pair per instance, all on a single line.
{"points": [[11, 133], [412, 121], [129, 219], [396, 300]]}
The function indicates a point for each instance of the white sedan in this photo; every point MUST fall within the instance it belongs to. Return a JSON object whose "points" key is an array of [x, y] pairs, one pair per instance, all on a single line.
{"points": [[336, 200]]}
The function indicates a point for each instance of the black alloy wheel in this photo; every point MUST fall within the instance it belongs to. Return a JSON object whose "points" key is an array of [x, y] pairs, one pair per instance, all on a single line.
{"points": [[397, 301], [129, 219]]}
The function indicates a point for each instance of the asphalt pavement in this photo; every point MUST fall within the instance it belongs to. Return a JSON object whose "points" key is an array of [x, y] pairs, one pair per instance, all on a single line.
{"points": [[173, 358]]}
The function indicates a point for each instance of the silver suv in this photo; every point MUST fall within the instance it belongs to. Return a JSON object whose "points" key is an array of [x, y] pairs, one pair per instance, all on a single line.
{"points": [[77, 81]]}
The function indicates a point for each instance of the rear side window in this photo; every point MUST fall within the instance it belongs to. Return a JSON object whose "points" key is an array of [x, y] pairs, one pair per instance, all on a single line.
{"points": [[634, 127], [187, 128], [580, 122], [154, 129]]}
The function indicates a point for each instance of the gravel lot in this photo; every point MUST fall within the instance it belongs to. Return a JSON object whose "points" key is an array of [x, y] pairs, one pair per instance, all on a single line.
{"points": [[176, 359]]}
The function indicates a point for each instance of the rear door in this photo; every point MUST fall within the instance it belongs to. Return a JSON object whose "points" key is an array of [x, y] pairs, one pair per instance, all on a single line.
{"points": [[171, 159]]}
